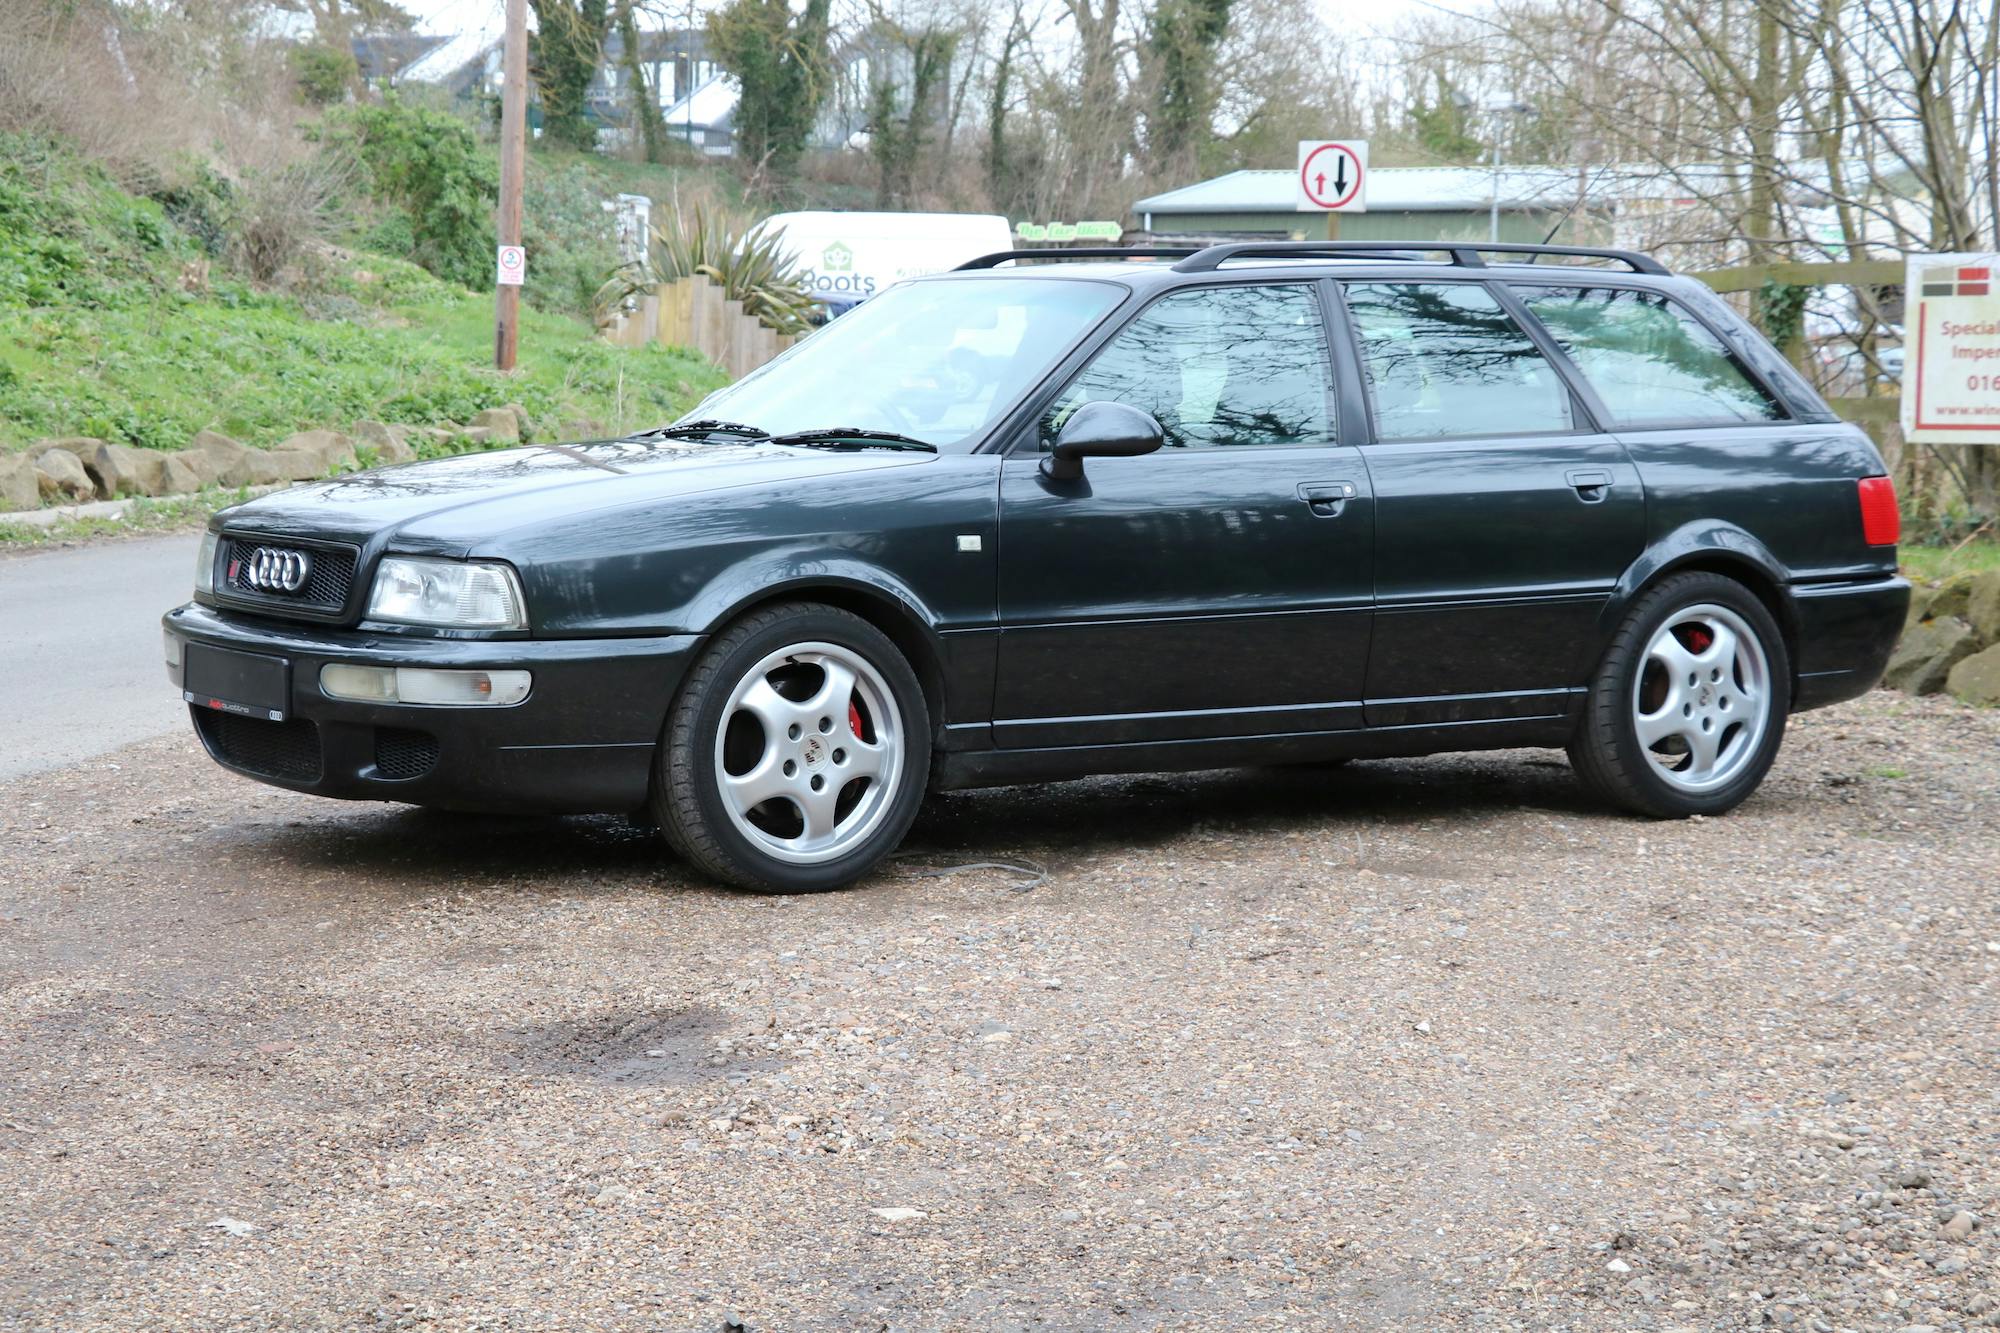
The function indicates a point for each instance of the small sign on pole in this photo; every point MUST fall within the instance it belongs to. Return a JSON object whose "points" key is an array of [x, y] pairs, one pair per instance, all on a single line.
{"points": [[1951, 349], [1332, 176], [513, 266]]}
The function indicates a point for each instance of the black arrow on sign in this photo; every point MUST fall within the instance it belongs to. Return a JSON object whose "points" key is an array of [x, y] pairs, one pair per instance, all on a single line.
{"points": [[1339, 173]]}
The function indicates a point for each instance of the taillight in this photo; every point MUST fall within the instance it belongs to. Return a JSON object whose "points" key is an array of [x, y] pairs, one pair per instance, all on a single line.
{"points": [[1881, 525]]}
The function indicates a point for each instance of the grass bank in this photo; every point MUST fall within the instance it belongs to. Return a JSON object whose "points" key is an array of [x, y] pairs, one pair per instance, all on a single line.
{"points": [[116, 323]]}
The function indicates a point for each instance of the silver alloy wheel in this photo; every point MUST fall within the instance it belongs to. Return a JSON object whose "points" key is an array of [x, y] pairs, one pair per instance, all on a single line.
{"points": [[1702, 701], [809, 753]]}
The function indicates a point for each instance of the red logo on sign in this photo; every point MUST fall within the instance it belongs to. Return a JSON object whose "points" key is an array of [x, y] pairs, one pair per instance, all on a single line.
{"points": [[1331, 175]]}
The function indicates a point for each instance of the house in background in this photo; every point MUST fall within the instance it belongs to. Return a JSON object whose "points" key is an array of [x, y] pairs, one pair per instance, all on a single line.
{"points": [[466, 65]]}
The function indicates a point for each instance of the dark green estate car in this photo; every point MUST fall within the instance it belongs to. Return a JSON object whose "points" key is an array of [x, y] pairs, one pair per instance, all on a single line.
{"points": [[1135, 510]]}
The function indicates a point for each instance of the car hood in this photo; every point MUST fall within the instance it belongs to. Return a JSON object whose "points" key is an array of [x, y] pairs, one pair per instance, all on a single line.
{"points": [[450, 504]]}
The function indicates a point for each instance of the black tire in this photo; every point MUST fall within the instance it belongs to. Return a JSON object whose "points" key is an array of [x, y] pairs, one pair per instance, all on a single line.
{"points": [[687, 800], [1606, 750]]}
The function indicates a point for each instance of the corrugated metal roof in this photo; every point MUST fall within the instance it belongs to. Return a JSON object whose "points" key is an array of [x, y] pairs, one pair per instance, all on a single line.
{"points": [[1453, 189], [1390, 189]]}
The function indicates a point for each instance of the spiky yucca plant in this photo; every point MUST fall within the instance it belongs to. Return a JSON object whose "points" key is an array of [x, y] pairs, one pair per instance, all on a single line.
{"points": [[748, 262]]}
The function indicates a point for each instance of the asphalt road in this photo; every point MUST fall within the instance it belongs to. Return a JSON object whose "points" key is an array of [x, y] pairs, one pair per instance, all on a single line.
{"points": [[80, 666]]}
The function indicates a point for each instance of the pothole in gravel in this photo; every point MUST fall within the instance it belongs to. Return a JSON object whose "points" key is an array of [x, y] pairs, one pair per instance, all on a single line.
{"points": [[633, 1048]]}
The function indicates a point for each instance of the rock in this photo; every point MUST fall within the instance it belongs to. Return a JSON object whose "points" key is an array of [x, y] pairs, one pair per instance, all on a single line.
{"points": [[20, 483], [221, 461], [1617, 1266], [1960, 1226], [1927, 653], [391, 444], [61, 477], [296, 464], [1976, 679], [177, 477], [1954, 595], [1982, 606], [476, 435], [119, 469], [334, 450], [524, 426], [499, 423], [1921, 597]]}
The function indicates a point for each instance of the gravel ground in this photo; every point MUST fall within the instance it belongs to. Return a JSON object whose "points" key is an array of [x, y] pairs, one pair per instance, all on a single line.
{"points": [[1400, 1045]]}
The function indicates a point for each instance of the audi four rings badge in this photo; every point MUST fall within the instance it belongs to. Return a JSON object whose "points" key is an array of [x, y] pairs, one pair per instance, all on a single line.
{"points": [[277, 571]]}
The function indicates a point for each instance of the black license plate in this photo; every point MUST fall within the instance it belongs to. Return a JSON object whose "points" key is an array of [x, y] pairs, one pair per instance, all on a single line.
{"points": [[229, 682]]}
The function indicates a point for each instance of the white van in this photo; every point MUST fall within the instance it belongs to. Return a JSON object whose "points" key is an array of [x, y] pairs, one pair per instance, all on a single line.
{"points": [[848, 257]]}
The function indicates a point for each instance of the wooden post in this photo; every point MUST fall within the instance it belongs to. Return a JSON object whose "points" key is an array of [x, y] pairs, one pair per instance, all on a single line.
{"points": [[513, 162], [1332, 225]]}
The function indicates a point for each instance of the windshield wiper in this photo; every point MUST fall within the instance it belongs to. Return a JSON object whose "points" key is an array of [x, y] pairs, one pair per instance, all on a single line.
{"points": [[696, 429], [843, 437]]}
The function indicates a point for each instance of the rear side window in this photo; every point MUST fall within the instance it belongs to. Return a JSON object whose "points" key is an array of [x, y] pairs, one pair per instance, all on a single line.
{"points": [[1651, 362], [1219, 367], [1445, 359]]}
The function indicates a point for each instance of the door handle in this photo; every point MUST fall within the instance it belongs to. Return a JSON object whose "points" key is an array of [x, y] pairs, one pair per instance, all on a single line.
{"points": [[1590, 483], [1326, 498]]}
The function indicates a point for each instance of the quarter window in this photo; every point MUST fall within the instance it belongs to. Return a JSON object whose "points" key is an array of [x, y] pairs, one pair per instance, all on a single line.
{"points": [[1219, 367], [1445, 359], [1651, 362]]}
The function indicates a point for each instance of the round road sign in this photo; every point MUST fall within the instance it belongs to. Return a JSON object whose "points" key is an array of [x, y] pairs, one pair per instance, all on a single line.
{"points": [[1331, 175]]}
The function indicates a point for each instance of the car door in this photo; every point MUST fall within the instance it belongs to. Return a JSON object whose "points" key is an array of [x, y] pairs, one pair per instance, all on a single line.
{"points": [[1217, 587], [1504, 516], [1711, 441]]}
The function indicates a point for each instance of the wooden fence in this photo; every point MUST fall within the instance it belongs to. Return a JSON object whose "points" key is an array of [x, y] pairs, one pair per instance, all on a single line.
{"points": [[694, 312]]}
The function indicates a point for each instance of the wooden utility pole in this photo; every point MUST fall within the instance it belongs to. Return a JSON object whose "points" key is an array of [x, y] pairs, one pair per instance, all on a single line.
{"points": [[513, 162]]}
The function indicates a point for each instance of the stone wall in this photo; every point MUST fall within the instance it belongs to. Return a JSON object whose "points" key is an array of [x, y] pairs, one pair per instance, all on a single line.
{"points": [[77, 470], [1952, 642]]}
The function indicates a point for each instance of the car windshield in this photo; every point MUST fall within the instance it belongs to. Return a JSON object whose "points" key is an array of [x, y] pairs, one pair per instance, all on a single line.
{"points": [[936, 360]]}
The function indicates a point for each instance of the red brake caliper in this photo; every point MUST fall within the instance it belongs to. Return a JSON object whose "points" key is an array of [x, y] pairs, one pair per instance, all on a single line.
{"points": [[854, 719], [1699, 638]]}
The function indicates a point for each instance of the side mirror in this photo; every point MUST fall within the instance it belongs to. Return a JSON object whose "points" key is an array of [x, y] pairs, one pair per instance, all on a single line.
{"points": [[1101, 430]]}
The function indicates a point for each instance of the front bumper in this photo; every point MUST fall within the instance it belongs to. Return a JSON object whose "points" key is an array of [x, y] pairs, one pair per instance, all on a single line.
{"points": [[581, 742], [1846, 632]]}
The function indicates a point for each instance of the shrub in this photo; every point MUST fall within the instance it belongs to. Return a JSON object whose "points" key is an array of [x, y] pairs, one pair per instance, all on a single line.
{"points": [[568, 235], [428, 165], [275, 213], [324, 73]]}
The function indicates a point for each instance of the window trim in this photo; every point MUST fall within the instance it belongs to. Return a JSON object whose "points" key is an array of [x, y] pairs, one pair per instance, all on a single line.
{"points": [[1743, 367], [1585, 422], [1026, 431]]}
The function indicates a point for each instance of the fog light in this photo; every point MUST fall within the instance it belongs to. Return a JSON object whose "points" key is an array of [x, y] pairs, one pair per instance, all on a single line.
{"points": [[423, 685], [374, 685], [173, 652], [418, 685]]}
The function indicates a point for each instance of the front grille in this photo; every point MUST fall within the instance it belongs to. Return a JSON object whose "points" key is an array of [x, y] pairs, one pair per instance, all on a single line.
{"points": [[287, 750], [329, 576], [401, 754]]}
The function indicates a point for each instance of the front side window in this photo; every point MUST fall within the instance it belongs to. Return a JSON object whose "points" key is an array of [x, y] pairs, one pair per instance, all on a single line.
{"points": [[1219, 367], [938, 359], [1649, 360], [1445, 359]]}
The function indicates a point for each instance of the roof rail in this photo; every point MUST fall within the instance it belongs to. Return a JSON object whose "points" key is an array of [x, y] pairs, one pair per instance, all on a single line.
{"points": [[1464, 255], [1082, 252]]}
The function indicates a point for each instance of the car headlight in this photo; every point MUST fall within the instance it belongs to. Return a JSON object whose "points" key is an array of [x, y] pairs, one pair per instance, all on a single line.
{"points": [[449, 594], [204, 563]]}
